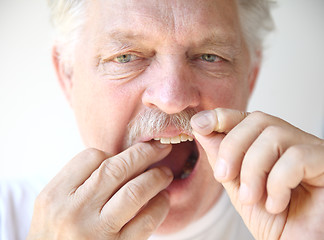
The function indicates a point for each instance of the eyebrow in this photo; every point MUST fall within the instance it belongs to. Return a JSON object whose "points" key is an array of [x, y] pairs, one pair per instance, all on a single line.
{"points": [[119, 40], [229, 42], [120, 35], [209, 45]]}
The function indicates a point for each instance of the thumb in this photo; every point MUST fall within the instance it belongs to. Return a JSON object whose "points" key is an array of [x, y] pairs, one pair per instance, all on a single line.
{"points": [[206, 127], [221, 120]]}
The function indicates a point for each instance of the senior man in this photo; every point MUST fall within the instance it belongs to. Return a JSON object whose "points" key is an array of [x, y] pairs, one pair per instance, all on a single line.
{"points": [[142, 75]]}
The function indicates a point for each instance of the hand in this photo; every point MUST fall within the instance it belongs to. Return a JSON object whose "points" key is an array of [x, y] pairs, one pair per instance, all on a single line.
{"points": [[272, 171], [97, 196]]}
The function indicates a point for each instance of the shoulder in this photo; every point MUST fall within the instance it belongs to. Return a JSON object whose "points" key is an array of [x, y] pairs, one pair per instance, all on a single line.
{"points": [[17, 198]]}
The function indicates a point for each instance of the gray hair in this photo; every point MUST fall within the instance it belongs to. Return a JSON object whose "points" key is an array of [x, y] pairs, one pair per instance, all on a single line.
{"points": [[256, 22], [68, 17]]}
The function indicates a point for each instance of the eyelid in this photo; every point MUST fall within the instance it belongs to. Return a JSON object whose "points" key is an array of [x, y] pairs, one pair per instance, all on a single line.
{"points": [[223, 56], [133, 57], [113, 58], [216, 56], [199, 57]]}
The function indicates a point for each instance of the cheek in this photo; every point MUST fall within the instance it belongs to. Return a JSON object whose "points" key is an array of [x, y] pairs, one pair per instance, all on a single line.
{"points": [[228, 93], [102, 111]]}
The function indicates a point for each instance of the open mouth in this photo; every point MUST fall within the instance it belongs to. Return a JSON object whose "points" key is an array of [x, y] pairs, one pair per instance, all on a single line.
{"points": [[183, 157]]}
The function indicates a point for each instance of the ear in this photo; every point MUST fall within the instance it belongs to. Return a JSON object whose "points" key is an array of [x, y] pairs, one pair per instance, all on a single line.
{"points": [[254, 72], [64, 75]]}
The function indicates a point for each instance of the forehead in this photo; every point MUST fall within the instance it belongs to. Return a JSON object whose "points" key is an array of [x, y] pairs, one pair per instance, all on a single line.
{"points": [[183, 21]]}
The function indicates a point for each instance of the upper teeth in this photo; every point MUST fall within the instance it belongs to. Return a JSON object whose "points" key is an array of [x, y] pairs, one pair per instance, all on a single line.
{"points": [[174, 140]]}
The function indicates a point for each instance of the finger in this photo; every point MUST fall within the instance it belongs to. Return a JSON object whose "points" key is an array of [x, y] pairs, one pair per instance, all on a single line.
{"points": [[116, 171], [211, 143], [220, 120], [259, 160], [124, 205], [237, 142], [299, 164], [228, 158], [68, 179], [149, 219], [205, 125]]}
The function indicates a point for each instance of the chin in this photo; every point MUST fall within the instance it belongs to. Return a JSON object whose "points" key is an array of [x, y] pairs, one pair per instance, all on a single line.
{"points": [[174, 222], [182, 215], [191, 197], [194, 189]]}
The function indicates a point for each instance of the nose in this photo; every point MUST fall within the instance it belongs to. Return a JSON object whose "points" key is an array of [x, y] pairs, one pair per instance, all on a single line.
{"points": [[171, 88]]}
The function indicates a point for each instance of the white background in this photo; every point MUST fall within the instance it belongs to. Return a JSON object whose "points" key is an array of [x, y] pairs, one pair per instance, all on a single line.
{"points": [[38, 133]]}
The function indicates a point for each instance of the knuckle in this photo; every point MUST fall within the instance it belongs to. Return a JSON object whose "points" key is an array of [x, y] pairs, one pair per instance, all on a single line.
{"points": [[116, 168], [257, 116], [276, 135], [121, 166], [93, 153], [110, 226], [273, 132], [141, 152], [134, 193], [149, 223], [279, 137], [297, 153]]}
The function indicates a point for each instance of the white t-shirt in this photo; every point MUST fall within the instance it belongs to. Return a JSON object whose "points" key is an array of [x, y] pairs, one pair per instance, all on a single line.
{"points": [[16, 207], [17, 198], [222, 222]]}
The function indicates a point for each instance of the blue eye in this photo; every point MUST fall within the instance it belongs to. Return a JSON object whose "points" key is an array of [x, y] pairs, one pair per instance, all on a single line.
{"points": [[210, 58], [125, 58]]}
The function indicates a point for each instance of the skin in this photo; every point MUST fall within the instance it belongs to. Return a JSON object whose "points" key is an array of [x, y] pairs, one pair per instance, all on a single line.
{"points": [[167, 73], [111, 196], [283, 197]]}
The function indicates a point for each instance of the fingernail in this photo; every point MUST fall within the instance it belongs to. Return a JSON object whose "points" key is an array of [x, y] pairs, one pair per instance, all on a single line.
{"points": [[202, 119], [244, 193], [220, 169]]}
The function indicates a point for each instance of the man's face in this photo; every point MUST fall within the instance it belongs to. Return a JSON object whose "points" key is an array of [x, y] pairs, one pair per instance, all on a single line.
{"points": [[170, 56]]}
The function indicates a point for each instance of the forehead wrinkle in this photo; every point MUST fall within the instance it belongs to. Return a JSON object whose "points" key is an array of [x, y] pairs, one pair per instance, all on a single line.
{"points": [[108, 28], [119, 40], [170, 21], [122, 37], [228, 42], [181, 20]]}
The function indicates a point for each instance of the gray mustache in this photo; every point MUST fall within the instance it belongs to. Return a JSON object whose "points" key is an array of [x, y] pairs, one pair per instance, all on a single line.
{"points": [[153, 121]]}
